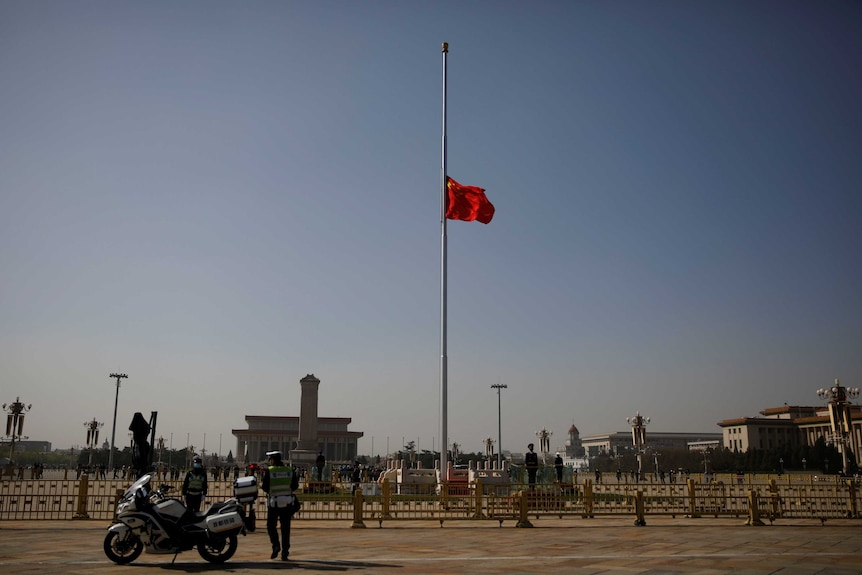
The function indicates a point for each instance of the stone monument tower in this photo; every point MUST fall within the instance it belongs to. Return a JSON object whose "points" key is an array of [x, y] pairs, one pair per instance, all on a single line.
{"points": [[306, 450], [308, 413]]}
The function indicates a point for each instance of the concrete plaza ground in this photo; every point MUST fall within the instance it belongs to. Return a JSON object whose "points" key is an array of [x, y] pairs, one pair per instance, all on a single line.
{"points": [[578, 546]]}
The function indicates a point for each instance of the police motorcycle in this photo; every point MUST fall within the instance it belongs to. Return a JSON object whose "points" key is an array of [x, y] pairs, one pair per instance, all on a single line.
{"points": [[148, 520]]}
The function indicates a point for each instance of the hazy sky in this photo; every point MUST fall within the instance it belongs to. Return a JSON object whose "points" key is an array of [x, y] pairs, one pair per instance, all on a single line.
{"points": [[218, 198]]}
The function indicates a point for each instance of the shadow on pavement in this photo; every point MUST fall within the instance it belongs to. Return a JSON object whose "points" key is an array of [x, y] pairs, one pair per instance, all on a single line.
{"points": [[268, 565]]}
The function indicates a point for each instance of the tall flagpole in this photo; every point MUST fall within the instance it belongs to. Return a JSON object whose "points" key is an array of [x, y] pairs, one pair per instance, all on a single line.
{"points": [[444, 365]]}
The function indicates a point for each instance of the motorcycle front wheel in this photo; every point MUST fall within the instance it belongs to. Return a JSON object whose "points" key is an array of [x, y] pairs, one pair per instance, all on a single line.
{"points": [[218, 548], [122, 551]]}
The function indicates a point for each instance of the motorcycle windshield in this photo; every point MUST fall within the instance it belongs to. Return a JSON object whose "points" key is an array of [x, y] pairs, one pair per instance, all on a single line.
{"points": [[140, 483]]}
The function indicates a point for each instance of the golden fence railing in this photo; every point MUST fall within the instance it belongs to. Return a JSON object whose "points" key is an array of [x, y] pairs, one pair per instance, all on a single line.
{"points": [[774, 499]]}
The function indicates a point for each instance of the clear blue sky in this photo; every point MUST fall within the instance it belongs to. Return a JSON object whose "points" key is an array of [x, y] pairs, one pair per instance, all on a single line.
{"points": [[218, 198]]}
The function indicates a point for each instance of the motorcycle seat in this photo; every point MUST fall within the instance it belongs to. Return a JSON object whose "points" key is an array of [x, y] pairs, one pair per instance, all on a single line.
{"points": [[214, 509]]}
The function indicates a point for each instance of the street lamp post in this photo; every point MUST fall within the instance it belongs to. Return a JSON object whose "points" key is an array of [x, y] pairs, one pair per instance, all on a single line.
{"points": [[118, 377], [92, 436], [498, 387], [15, 422], [160, 444], [780, 466], [639, 423], [489, 448], [840, 418]]}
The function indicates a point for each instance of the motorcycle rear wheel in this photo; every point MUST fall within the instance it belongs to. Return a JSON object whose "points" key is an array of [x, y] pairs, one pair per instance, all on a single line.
{"points": [[122, 551], [218, 548]]}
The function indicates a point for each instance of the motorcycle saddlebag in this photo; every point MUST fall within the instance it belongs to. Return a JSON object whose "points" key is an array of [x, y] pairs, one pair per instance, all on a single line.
{"points": [[245, 489], [224, 522]]}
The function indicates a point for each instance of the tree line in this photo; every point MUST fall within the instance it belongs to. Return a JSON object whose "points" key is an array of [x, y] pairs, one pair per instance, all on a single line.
{"points": [[817, 458]]}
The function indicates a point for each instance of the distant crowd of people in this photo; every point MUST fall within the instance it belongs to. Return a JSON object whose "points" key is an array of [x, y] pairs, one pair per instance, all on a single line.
{"points": [[672, 475], [36, 470]]}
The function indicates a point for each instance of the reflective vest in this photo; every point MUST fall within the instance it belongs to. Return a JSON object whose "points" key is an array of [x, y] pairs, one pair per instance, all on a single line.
{"points": [[196, 484], [280, 478]]}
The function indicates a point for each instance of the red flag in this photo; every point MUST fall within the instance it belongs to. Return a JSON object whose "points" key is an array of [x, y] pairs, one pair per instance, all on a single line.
{"points": [[467, 203]]}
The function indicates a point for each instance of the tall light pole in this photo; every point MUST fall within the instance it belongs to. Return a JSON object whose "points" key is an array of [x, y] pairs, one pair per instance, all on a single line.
{"points": [[639, 423], [498, 387], [160, 445], [92, 436], [118, 376], [840, 418], [15, 422]]}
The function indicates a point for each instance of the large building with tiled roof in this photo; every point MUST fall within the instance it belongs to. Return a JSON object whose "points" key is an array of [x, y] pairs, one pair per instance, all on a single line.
{"points": [[299, 438], [620, 441], [786, 426]]}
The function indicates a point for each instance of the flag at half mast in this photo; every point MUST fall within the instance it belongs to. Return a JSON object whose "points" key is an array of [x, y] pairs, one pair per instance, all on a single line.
{"points": [[467, 203]]}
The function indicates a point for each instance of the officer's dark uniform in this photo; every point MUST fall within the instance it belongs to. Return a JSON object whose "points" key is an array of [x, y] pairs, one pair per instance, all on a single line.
{"points": [[558, 467], [320, 463], [531, 462], [195, 486], [279, 481]]}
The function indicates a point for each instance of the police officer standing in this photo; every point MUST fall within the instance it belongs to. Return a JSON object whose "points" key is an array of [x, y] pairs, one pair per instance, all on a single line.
{"points": [[531, 462], [279, 482], [558, 467], [356, 477], [195, 485], [320, 463]]}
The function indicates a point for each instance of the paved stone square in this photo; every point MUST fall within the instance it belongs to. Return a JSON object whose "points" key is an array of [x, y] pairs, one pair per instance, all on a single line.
{"points": [[578, 546]]}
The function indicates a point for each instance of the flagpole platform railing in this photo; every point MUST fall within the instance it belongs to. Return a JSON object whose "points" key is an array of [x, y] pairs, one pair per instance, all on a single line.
{"points": [[755, 502]]}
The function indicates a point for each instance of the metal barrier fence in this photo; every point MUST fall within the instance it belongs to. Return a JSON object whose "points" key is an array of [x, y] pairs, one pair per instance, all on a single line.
{"points": [[769, 499]]}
